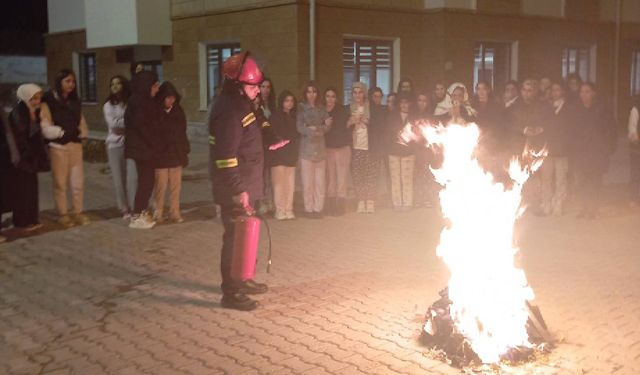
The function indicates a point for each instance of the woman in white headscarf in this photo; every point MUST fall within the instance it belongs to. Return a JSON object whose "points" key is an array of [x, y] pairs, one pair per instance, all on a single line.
{"points": [[28, 157], [455, 107]]}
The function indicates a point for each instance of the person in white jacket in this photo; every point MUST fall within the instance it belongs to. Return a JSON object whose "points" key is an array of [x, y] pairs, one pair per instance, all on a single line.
{"points": [[634, 147], [123, 171]]}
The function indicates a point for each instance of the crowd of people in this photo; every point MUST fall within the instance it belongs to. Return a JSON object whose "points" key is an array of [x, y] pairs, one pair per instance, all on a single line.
{"points": [[147, 147], [340, 149], [363, 143]]}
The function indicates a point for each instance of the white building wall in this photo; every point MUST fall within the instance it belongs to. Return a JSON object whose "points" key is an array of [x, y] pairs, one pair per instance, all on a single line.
{"points": [[109, 25], [65, 15], [112, 23]]}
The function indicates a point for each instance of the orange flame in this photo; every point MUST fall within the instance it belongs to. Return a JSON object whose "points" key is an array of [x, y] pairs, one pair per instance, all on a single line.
{"points": [[487, 290]]}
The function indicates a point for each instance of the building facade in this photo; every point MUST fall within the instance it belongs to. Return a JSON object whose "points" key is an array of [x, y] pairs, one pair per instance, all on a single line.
{"points": [[376, 41]]}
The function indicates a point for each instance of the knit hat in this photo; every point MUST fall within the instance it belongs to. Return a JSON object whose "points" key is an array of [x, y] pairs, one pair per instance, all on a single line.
{"points": [[27, 91]]}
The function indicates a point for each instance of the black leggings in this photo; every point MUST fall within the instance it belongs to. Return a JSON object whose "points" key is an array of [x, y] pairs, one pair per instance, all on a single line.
{"points": [[146, 180], [24, 199]]}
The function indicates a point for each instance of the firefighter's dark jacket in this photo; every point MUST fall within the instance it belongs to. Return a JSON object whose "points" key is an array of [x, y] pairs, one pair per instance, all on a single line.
{"points": [[236, 147]]}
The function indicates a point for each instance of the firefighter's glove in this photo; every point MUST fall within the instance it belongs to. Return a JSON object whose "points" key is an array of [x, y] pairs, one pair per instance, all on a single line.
{"points": [[242, 200]]}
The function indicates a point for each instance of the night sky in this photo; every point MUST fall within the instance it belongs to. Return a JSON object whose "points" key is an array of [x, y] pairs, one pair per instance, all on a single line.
{"points": [[22, 23]]}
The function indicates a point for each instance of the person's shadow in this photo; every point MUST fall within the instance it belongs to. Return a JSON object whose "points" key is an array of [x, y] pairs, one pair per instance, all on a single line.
{"points": [[192, 211]]}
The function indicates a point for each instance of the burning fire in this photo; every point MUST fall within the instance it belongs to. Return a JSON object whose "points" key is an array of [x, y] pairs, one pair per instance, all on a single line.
{"points": [[488, 292]]}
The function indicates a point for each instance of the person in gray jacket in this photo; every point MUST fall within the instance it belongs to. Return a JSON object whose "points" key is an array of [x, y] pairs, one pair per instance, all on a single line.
{"points": [[313, 122]]}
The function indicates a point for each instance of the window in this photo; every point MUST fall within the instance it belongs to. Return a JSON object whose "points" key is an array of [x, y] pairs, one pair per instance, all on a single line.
{"points": [[87, 79], [492, 64], [216, 54], [635, 73], [576, 60], [368, 61]]}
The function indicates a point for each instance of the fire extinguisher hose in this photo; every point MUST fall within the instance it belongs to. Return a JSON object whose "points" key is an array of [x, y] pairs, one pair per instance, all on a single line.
{"points": [[266, 224]]}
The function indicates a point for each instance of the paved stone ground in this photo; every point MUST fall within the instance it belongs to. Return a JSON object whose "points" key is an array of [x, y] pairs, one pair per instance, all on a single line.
{"points": [[347, 294]]}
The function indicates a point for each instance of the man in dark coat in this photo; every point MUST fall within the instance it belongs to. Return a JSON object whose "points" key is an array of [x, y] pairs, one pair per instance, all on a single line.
{"points": [[592, 143], [526, 119], [237, 154], [558, 129]]}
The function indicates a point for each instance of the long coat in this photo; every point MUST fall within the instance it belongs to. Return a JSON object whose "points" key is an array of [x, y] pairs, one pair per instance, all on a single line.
{"points": [[141, 119], [173, 146], [593, 139]]}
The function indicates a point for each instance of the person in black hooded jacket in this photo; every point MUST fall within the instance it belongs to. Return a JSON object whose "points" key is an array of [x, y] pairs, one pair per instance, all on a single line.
{"points": [[172, 152], [141, 138], [29, 157]]}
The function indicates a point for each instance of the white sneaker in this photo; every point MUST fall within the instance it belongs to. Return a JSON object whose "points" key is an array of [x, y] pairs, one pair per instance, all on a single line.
{"points": [[361, 207], [280, 215], [141, 222], [289, 215], [370, 207]]}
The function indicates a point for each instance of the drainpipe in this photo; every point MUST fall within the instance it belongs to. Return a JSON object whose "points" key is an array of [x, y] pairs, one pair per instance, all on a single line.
{"points": [[312, 40], [616, 58]]}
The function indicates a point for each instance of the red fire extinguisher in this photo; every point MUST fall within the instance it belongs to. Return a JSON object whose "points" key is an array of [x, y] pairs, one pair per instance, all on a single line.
{"points": [[245, 246]]}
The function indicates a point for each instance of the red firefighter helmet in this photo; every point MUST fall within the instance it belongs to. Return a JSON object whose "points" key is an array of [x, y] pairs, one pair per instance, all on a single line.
{"points": [[242, 68]]}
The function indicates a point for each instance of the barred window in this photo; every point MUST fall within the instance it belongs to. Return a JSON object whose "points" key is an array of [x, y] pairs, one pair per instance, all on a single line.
{"points": [[87, 84], [367, 61], [492, 64], [216, 55], [576, 60]]}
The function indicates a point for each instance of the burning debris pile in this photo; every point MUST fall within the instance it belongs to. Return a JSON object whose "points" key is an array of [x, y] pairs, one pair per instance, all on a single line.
{"points": [[439, 333], [484, 315]]}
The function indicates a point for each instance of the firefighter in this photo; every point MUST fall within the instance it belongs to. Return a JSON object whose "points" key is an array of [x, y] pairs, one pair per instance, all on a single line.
{"points": [[237, 155]]}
